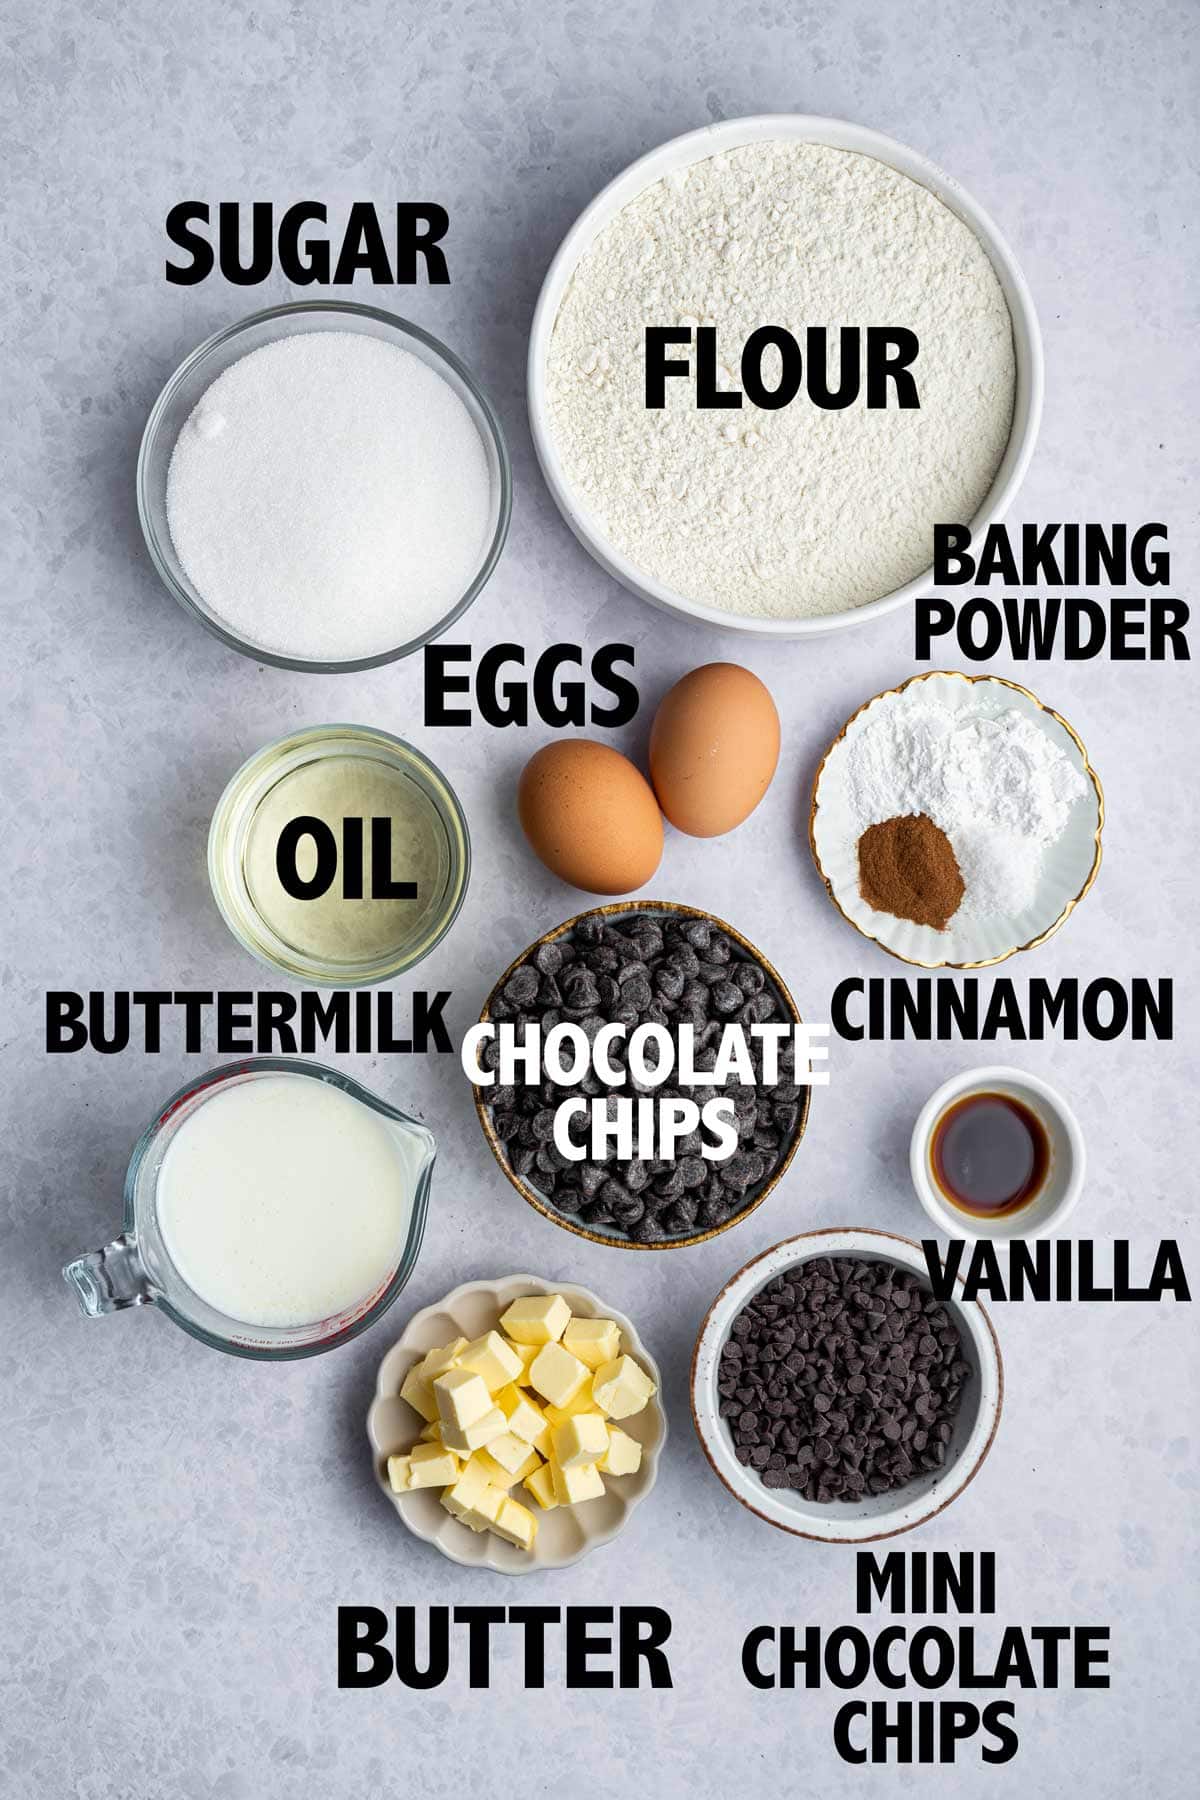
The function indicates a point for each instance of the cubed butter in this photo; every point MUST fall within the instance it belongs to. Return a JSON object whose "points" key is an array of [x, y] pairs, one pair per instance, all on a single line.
{"points": [[482, 1514], [513, 1454], [584, 1401], [490, 1357], [541, 1384], [497, 1475], [556, 1374], [476, 1436], [438, 1361], [462, 1397], [623, 1455], [508, 1478], [583, 1439], [419, 1393], [466, 1490], [582, 1481], [432, 1466], [620, 1387], [526, 1352], [398, 1469], [541, 1486], [593, 1341], [540, 1319], [516, 1524], [525, 1417]]}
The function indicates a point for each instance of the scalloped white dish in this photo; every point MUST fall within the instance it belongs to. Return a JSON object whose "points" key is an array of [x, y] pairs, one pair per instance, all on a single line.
{"points": [[567, 1533], [1069, 866]]}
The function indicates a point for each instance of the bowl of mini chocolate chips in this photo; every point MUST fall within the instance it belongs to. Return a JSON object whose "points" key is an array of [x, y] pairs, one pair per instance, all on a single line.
{"points": [[836, 1396], [630, 964]]}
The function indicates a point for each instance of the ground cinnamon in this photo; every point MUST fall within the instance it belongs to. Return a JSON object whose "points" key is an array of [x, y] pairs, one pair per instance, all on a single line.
{"points": [[907, 867]]}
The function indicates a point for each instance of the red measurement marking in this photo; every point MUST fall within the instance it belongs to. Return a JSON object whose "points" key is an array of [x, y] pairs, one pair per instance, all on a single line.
{"points": [[220, 1075]]}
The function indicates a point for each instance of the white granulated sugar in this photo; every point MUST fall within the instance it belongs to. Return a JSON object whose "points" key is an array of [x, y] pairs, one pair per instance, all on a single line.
{"points": [[329, 497], [995, 783], [795, 512]]}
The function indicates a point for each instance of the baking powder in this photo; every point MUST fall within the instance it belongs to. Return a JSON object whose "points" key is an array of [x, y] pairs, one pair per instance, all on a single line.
{"points": [[799, 511], [994, 782]]}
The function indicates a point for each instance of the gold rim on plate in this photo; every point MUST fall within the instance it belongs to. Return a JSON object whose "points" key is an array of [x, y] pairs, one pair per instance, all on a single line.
{"points": [[986, 962], [530, 1194]]}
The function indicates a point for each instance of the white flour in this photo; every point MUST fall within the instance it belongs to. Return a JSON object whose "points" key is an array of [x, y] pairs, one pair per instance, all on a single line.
{"points": [[798, 511], [993, 782]]}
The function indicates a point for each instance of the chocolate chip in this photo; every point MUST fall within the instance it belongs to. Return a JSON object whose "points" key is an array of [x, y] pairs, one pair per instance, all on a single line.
{"points": [[795, 1383], [639, 969], [522, 986]]}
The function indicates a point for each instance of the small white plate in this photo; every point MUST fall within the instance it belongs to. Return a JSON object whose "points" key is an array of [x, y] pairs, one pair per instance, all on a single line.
{"points": [[1069, 868], [874, 1515], [567, 1532], [1052, 1206]]}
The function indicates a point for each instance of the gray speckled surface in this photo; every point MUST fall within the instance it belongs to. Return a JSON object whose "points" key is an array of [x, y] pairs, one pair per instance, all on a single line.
{"points": [[179, 1528]]}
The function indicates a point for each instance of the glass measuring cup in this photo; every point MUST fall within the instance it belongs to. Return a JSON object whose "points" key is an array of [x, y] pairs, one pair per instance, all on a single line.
{"points": [[136, 1269]]}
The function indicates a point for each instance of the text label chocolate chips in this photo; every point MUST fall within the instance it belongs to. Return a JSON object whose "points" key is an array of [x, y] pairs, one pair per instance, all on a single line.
{"points": [[639, 968]]}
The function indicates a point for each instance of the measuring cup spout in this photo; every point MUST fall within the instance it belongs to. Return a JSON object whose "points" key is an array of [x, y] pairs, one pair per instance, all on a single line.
{"points": [[109, 1280]]}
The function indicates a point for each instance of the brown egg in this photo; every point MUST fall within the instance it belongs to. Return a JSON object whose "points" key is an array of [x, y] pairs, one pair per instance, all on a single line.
{"points": [[590, 816], [714, 746]]}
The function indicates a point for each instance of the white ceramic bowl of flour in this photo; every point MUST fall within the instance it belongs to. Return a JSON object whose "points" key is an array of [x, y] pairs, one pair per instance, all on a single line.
{"points": [[662, 164], [1041, 883]]}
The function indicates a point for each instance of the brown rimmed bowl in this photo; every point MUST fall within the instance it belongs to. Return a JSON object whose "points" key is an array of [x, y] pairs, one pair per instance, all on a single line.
{"points": [[875, 1515], [617, 910]]}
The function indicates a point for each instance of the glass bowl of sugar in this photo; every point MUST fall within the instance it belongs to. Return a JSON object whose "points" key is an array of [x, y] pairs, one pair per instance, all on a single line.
{"points": [[324, 486]]}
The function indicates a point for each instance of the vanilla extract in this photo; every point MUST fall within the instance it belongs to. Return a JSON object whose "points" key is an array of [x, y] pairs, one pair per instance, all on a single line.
{"points": [[989, 1155]]}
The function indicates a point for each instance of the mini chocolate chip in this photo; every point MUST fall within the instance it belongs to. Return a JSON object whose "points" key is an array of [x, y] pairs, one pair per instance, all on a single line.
{"points": [[816, 1333]]}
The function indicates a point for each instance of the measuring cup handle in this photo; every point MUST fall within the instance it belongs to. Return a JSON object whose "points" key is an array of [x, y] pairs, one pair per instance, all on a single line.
{"points": [[109, 1280]]}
